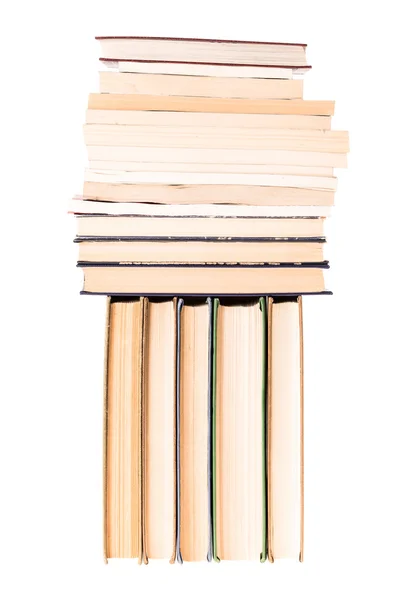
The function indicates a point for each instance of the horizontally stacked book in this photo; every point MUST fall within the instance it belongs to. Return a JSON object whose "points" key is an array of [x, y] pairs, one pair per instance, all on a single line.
{"points": [[208, 173], [202, 217], [201, 459]]}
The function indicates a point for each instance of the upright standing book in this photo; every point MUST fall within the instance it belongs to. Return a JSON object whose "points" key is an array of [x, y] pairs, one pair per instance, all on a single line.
{"points": [[194, 430], [239, 396], [285, 429]]}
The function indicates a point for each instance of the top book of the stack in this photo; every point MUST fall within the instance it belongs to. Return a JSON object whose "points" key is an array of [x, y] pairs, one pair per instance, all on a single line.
{"points": [[250, 58]]}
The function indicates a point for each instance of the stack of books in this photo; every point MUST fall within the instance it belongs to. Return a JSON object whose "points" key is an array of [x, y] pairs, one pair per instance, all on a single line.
{"points": [[208, 173], [202, 218]]}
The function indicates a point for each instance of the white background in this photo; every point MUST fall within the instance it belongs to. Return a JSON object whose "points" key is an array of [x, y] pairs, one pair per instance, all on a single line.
{"points": [[52, 339]]}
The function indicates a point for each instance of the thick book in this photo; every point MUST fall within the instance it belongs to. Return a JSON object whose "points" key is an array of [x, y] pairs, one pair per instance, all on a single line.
{"points": [[159, 430], [251, 195], [194, 361], [208, 168], [230, 156], [175, 119], [239, 430], [198, 228], [166, 178], [203, 51], [81, 206], [192, 280], [123, 457], [200, 252], [187, 85], [285, 451], [210, 105], [293, 140]]}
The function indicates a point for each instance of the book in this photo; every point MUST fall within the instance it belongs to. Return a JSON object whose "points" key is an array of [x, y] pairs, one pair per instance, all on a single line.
{"points": [[199, 252], [172, 178], [122, 431], [199, 119], [159, 193], [79, 206], [194, 528], [200, 70], [127, 167], [296, 140], [187, 85], [285, 430], [191, 50], [239, 476], [210, 105], [159, 426], [235, 156], [197, 280], [198, 228]]}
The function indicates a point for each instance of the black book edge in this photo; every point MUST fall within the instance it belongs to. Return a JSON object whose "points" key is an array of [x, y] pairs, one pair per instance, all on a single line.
{"points": [[129, 264], [166, 239]]}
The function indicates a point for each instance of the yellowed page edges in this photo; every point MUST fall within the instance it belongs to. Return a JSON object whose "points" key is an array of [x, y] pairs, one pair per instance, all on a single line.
{"points": [[105, 428], [301, 555], [144, 302], [269, 415]]}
